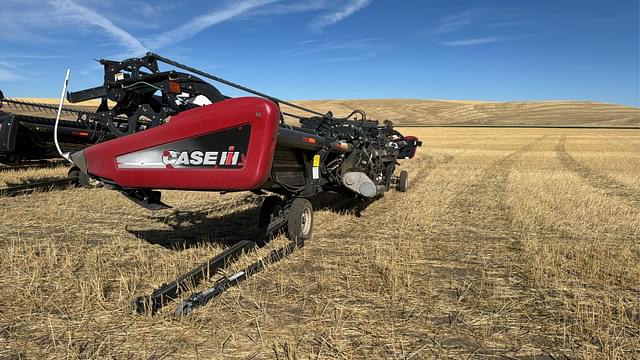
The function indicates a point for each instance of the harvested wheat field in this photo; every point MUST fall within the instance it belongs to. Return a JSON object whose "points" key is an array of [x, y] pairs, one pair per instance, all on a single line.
{"points": [[510, 243], [457, 112]]}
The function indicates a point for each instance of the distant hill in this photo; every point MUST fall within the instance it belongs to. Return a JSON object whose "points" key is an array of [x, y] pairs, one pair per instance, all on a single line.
{"points": [[451, 112], [407, 111]]}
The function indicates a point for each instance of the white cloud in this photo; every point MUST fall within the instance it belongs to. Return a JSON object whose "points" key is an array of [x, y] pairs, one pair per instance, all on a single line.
{"points": [[203, 22], [322, 21], [32, 56], [455, 22], [23, 21], [475, 41], [295, 7], [78, 14], [350, 51], [35, 21], [475, 26], [9, 72], [8, 75], [155, 9]]}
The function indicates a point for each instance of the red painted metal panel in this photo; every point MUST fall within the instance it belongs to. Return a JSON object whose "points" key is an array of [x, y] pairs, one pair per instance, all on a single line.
{"points": [[195, 127]]}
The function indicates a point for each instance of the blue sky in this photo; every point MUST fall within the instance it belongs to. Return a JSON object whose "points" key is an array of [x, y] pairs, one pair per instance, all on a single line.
{"points": [[323, 49]]}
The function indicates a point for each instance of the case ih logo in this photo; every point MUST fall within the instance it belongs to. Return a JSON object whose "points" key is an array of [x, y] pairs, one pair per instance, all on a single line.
{"points": [[226, 149], [173, 159]]}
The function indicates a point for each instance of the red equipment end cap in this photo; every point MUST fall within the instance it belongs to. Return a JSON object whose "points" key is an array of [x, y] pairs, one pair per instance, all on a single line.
{"points": [[228, 145]]}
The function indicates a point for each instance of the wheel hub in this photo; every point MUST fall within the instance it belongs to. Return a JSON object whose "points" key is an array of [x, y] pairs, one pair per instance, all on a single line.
{"points": [[305, 221]]}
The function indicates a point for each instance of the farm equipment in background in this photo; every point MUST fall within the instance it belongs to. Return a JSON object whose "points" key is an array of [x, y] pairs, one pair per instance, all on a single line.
{"points": [[26, 130], [26, 138], [172, 130]]}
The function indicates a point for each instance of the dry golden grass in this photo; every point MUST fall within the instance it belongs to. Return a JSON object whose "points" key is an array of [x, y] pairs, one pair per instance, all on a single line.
{"points": [[50, 101], [407, 111], [510, 243], [24, 176]]}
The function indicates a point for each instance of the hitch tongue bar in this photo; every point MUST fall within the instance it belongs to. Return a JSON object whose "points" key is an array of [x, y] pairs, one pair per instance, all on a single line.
{"points": [[171, 291], [201, 298]]}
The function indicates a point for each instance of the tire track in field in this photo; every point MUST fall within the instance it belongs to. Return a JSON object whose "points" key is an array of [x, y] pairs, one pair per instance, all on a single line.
{"points": [[475, 265], [431, 164], [483, 202], [451, 310], [340, 238], [346, 238], [596, 180]]}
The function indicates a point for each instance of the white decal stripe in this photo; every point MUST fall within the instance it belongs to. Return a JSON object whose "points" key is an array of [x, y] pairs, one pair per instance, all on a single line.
{"points": [[148, 158], [141, 166]]}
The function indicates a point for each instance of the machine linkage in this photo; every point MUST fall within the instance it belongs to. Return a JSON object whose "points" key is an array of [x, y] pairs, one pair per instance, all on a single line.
{"points": [[296, 215], [201, 298]]}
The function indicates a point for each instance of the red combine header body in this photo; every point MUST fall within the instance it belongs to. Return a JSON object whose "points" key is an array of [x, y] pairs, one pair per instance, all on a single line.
{"points": [[224, 146], [172, 130]]}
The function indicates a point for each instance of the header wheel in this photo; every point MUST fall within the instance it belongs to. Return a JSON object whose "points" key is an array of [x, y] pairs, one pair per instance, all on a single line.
{"points": [[300, 220]]}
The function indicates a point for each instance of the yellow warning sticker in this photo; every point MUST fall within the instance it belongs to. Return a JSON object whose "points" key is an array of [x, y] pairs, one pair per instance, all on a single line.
{"points": [[316, 160]]}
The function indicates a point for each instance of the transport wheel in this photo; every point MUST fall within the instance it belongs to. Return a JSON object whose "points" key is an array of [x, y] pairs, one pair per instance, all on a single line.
{"points": [[300, 220], [83, 179], [403, 181], [271, 208], [74, 172]]}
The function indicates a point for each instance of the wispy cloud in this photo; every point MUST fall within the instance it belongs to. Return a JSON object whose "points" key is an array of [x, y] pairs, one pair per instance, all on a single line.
{"points": [[475, 26], [315, 47], [13, 65], [8, 75], [348, 51], [34, 21], [154, 9], [9, 72], [78, 14], [350, 8], [475, 41], [24, 20], [346, 59], [295, 7], [455, 22], [477, 18], [203, 22], [32, 56], [508, 24]]}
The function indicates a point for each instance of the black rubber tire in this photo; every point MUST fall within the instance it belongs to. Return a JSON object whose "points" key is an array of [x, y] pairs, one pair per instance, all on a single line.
{"points": [[74, 172], [271, 206], [300, 220], [403, 181], [83, 179]]}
